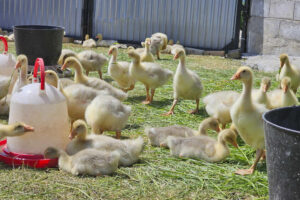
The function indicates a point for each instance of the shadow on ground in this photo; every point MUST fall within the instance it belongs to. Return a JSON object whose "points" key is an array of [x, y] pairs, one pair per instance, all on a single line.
{"points": [[132, 126], [156, 104]]}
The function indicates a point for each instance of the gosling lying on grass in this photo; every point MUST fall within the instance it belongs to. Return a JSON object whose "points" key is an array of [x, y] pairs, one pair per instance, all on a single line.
{"points": [[129, 150], [203, 147], [158, 136], [86, 162]]}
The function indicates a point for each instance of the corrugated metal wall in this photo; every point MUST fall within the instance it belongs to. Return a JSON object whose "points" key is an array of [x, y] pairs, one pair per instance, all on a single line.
{"points": [[207, 24], [196, 23], [65, 13]]}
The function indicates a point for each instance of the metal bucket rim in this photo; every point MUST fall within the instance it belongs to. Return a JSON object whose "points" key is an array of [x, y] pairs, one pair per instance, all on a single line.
{"points": [[277, 126], [38, 27]]}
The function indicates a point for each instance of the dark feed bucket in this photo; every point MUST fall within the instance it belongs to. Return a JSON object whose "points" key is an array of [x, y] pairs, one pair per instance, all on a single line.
{"points": [[282, 134], [39, 41]]}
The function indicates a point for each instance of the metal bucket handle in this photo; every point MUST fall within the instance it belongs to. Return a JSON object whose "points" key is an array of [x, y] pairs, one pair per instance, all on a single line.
{"points": [[5, 44], [39, 64]]}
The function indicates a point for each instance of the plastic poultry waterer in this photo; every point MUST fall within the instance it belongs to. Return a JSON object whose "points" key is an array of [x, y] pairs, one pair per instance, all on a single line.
{"points": [[7, 64], [43, 107], [7, 61]]}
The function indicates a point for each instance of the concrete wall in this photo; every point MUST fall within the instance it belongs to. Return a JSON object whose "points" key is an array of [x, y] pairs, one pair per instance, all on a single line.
{"points": [[274, 27]]}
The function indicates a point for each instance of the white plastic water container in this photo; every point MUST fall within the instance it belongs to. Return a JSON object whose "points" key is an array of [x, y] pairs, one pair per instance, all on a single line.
{"points": [[7, 65], [43, 107], [7, 61]]}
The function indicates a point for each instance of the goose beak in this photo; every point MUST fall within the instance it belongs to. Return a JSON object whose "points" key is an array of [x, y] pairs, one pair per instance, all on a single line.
{"points": [[265, 88], [236, 76], [162, 145], [18, 65], [28, 128], [281, 64], [72, 135], [110, 52], [235, 144], [176, 56], [63, 67], [218, 129], [285, 89]]}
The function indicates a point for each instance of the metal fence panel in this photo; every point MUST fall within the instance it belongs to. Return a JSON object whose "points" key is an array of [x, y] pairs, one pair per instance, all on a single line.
{"points": [[207, 24], [65, 13], [196, 23]]}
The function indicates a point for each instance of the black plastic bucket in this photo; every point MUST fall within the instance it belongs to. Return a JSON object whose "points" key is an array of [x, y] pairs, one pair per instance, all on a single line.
{"points": [[282, 134], [39, 41]]}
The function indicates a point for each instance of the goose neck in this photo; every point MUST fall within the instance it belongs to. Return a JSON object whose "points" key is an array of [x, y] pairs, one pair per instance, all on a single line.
{"points": [[64, 158], [202, 130], [23, 73], [288, 94], [262, 94], [147, 49], [113, 59], [136, 61], [182, 61], [288, 64], [221, 140], [4, 132], [79, 76], [246, 93], [82, 136], [61, 89]]}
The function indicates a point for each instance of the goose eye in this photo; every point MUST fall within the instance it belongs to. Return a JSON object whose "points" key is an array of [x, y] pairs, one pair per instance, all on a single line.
{"points": [[19, 127]]}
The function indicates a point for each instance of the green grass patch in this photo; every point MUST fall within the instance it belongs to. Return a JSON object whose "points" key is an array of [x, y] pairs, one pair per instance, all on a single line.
{"points": [[158, 175]]}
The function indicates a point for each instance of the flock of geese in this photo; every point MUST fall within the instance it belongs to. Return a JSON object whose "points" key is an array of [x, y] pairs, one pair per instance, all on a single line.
{"points": [[95, 103]]}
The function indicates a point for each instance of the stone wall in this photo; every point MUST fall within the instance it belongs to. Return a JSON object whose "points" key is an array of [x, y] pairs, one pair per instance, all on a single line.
{"points": [[274, 27]]}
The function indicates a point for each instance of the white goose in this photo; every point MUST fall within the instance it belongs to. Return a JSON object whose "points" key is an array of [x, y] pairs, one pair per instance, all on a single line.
{"points": [[119, 71], [247, 117], [286, 69], [186, 84], [22, 63]]}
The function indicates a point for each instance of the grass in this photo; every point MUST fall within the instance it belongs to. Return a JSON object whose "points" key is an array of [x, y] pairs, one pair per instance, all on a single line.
{"points": [[158, 175]]}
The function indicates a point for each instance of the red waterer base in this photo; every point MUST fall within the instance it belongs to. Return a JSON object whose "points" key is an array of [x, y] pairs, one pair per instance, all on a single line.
{"points": [[31, 160]]}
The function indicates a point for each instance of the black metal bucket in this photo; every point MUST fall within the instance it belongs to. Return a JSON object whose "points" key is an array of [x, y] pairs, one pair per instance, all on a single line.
{"points": [[282, 134], [39, 41]]}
